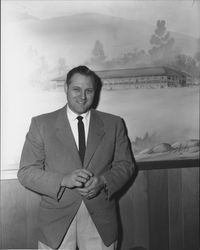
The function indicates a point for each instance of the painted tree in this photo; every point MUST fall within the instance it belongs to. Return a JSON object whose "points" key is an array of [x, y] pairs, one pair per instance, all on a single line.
{"points": [[186, 63], [197, 54], [197, 57], [161, 40], [98, 55]]}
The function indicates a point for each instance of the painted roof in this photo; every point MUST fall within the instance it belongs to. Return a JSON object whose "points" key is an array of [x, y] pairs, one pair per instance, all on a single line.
{"points": [[148, 71], [121, 73]]}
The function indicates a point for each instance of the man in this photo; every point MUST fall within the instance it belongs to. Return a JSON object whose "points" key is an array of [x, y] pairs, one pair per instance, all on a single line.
{"points": [[77, 164]]}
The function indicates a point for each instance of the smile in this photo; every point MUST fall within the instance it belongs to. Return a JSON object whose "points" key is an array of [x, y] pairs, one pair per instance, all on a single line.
{"points": [[81, 102]]}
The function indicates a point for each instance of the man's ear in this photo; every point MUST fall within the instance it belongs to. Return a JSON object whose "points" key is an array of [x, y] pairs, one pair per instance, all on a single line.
{"points": [[65, 88]]}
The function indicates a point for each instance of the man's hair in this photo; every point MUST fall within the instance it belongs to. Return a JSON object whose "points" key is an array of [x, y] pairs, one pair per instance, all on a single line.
{"points": [[83, 70]]}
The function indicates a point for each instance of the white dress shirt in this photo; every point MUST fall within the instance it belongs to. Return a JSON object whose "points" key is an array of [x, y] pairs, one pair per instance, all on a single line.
{"points": [[72, 117]]}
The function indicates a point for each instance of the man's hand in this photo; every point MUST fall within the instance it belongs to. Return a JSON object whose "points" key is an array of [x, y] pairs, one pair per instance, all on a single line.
{"points": [[92, 187], [77, 178]]}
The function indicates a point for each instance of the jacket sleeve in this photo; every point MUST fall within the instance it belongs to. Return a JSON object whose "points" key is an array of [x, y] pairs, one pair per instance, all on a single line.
{"points": [[32, 173], [123, 166]]}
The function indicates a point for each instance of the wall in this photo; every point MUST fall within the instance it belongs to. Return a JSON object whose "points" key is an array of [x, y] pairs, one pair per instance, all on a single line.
{"points": [[160, 211]]}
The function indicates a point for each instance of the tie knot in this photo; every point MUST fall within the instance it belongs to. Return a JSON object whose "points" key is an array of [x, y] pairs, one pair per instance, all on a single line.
{"points": [[79, 118]]}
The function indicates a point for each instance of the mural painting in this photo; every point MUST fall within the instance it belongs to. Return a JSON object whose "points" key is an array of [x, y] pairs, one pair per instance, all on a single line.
{"points": [[149, 63]]}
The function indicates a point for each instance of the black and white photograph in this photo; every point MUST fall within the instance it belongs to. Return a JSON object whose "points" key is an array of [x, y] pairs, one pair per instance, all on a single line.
{"points": [[100, 137]]}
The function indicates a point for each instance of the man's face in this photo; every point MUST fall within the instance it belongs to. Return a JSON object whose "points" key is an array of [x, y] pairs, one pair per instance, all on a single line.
{"points": [[80, 93]]}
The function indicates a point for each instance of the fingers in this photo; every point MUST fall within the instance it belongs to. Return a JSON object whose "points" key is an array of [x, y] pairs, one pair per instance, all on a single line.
{"points": [[89, 182], [83, 172], [90, 188], [77, 178], [81, 176], [91, 194], [84, 192], [80, 179], [86, 189]]}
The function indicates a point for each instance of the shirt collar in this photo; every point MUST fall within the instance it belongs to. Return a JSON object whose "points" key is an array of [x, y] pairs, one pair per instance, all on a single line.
{"points": [[72, 116]]}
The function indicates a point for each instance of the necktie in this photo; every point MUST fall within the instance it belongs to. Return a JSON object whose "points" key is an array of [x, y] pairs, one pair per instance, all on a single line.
{"points": [[81, 136]]}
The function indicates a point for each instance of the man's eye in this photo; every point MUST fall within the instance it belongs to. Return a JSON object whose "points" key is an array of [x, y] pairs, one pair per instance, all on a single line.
{"points": [[76, 89], [90, 91]]}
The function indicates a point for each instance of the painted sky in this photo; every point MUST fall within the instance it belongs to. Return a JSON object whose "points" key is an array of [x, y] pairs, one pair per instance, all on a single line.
{"points": [[180, 15]]}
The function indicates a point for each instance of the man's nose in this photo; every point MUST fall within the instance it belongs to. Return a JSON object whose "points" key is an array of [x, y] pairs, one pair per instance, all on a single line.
{"points": [[83, 95]]}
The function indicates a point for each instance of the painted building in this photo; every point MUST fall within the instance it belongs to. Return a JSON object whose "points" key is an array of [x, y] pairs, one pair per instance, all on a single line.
{"points": [[148, 77]]}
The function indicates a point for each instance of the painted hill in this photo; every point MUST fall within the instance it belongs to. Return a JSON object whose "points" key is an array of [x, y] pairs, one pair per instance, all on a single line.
{"points": [[77, 33]]}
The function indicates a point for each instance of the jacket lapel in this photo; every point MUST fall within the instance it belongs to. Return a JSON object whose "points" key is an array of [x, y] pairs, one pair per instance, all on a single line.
{"points": [[95, 135], [65, 135]]}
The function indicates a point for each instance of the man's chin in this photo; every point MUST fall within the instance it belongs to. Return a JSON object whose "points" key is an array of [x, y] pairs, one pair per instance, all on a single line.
{"points": [[82, 110], [79, 109]]}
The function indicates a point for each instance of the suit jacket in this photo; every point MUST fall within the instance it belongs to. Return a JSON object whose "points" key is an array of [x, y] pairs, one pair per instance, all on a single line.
{"points": [[50, 152]]}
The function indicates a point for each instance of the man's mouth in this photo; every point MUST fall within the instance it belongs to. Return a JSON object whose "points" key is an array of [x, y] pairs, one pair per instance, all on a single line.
{"points": [[81, 103]]}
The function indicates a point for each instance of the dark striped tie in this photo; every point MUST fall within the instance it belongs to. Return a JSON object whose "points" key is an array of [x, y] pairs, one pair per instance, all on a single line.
{"points": [[81, 136]]}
